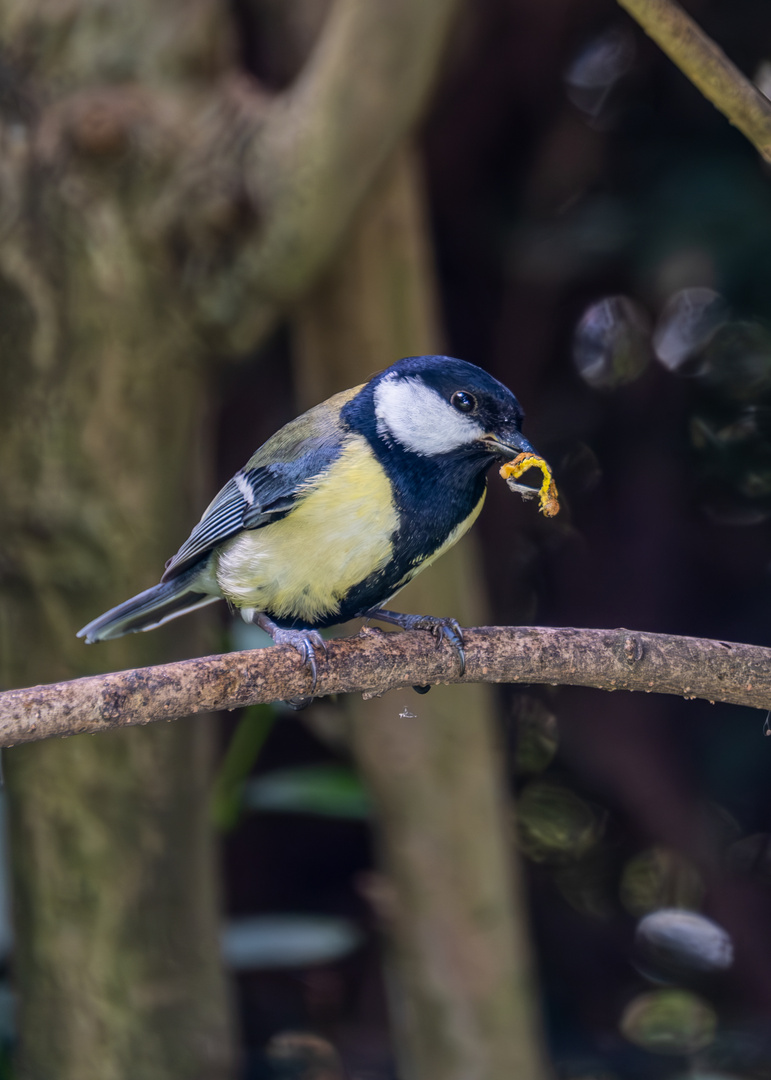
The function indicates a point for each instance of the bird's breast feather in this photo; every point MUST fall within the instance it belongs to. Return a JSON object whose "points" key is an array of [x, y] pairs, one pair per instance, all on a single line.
{"points": [[339, 532]]}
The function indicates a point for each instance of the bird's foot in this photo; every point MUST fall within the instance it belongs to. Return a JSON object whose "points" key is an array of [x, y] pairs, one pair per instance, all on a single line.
{"points": [[442, 629], [304, 641]]}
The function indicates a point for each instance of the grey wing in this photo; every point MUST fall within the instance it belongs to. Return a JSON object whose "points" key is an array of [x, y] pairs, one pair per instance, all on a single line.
{"points": [[223, 519], [252, 499], [264, 490]]}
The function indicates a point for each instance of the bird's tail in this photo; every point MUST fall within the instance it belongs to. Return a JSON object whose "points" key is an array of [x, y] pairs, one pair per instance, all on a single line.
{"points": [[149, 608]]}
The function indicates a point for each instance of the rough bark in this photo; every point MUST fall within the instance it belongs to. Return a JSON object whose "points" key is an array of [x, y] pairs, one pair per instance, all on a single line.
{"points": [[116, 958], [462, 989], [374, 663]]}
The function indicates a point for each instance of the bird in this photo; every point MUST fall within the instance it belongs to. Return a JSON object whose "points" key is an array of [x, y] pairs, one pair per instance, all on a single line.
{"points": [[341, 508]]}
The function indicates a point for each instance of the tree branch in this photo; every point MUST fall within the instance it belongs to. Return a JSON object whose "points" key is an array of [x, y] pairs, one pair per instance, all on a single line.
{"points": [[253, 192], [314, 152], [373, 662], [708, 68]]}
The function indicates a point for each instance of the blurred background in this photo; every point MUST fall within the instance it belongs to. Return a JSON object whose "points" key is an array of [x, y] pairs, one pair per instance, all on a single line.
{"points": [[574, 217]]}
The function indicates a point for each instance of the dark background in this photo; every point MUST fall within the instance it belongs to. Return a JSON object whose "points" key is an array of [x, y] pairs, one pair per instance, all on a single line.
{"points": [[544, 200]]}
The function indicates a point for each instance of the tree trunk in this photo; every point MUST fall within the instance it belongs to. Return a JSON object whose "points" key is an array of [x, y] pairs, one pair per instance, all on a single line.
{"points": [[101, 398], [464, 1000], [116, 920]]}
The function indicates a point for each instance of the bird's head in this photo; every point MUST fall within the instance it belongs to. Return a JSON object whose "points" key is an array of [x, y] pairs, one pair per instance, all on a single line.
{"points": [[436, 405]]}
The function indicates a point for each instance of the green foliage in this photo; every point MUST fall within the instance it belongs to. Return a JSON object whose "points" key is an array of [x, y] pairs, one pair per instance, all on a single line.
{"points": [[227, 797], [328, 790], [7, 1071]]}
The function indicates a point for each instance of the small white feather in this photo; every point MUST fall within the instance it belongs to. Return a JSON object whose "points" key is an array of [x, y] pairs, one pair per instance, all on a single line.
{"points": [[245, 488], [419, 418]]}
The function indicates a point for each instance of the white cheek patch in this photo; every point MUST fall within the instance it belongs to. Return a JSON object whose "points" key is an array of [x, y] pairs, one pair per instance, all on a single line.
{"points": [[420, 419]]}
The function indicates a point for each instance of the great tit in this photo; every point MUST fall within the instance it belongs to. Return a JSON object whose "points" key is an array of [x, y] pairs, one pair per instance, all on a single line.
{"points": [[343, 506]]}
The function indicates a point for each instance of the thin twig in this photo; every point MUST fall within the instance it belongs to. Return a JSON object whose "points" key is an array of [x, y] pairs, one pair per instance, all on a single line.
{"points": [[373, 662], [707, 66]]}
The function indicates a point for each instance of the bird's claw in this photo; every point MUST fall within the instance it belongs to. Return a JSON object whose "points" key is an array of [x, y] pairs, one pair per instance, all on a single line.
{"points": [[305, 642], [440, 628], [443, 629]]}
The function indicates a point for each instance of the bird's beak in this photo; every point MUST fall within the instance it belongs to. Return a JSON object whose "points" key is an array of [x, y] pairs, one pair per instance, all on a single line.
{"points": [[507, 445]]}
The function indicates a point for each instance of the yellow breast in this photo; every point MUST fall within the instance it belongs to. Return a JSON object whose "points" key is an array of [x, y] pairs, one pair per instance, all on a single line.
{"points": [[337, 534]]}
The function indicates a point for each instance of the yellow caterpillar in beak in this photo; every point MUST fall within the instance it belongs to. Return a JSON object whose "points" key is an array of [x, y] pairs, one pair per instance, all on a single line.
{"points": [[548, 502]]}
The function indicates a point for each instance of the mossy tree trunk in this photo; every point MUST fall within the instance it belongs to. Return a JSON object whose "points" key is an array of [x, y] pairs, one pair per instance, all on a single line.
{"points": [[102, 399], [463, 1005]]}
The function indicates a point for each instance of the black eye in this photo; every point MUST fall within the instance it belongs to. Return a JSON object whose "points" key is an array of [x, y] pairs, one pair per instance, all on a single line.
{"points": [[463, 402]]}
